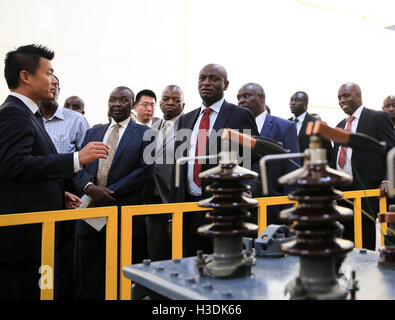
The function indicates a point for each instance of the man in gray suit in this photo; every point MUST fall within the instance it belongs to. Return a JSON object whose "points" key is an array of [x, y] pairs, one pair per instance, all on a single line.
{"points": [[172, 105]]}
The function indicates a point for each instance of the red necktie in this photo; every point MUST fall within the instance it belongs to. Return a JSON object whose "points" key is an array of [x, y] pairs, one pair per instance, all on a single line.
{"points": [[201, 144], [343, 150]]}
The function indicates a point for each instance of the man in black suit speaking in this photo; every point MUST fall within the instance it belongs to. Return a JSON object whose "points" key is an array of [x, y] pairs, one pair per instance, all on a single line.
{"points": [[32, 174]]}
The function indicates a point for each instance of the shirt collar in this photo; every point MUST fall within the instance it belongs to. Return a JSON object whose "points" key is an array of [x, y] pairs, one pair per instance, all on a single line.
{"points": [[357, 113], [27, 101], [173, 120], [148, 124], [262, 116], [215, 106], [58, 114], [123, 123], [260, 120], [301, 117]]}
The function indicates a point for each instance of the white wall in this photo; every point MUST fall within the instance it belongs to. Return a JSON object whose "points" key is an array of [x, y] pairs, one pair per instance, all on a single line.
{"points": [[285, 45]]}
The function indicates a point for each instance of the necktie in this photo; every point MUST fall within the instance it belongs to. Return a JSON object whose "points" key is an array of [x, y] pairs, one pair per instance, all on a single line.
{"points": [[343, 150], [105, 164], [39, 117], [201, 144], [165, 127], [296, 120]]}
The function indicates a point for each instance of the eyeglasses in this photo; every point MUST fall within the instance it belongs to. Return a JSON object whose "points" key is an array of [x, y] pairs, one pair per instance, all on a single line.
{"points": [[147, 104]]}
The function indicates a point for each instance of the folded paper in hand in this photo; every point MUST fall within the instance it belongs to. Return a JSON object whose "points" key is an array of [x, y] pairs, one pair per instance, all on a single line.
{"points": [[96, 223]]}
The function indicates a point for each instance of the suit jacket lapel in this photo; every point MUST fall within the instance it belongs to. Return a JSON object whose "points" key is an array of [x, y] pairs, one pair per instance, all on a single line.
{"points": [[363, 121], [126, 138], [158, 124], [220, 123], [267, 126], [223, 115], [20, 104], [99, 136], [43, 131], [306, 119], [191, 119]]}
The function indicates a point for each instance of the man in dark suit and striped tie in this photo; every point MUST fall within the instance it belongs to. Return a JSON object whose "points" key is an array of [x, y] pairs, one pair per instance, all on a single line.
{"points": [[119, 180]]}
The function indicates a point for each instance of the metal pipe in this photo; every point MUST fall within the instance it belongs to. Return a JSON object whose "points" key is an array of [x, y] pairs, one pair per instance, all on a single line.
{"points": [[262, 164], [390, 171], [185, 159]]}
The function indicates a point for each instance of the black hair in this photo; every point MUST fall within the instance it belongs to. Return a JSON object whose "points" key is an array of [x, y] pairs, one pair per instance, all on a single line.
{"points": [[305, 96], [127, 89], [57, 80], [145, 92], [24, 58]]}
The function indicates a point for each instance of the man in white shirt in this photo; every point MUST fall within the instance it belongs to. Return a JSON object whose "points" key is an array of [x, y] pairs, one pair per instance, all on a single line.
{"points": [[144, 107]]}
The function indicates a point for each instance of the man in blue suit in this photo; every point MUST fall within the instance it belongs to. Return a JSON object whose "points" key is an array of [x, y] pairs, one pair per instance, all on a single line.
{"points": [[252, 96], [219, 114], [118, 182]]}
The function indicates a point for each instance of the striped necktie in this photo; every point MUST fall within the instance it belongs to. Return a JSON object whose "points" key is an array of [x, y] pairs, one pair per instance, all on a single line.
{"points": [[105, 164]]}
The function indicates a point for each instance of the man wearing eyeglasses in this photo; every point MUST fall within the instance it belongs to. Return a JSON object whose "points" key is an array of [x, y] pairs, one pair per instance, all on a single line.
{"points": [[145, 107]]}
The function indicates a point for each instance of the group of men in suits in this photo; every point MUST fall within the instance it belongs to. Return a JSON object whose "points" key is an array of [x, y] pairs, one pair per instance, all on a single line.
{"points": [[111, 167]]}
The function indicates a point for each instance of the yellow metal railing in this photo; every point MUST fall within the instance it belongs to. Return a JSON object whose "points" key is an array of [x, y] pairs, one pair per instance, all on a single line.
{"points": [[177, 210], [48, 219], [357, 197]]}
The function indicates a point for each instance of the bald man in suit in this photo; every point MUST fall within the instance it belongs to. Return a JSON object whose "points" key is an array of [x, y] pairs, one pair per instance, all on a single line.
{"points": [[367, 169], [214, 114]]}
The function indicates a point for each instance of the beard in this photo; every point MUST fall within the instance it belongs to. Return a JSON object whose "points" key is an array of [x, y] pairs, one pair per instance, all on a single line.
{"points": [[48, 103]]}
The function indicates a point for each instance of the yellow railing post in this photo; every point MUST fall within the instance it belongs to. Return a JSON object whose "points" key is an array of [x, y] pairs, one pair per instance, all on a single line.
{"points": [[176, 235], [262, 217], [112, 254], [126, 253], [383, 226], [47, 260], [357, 222]]}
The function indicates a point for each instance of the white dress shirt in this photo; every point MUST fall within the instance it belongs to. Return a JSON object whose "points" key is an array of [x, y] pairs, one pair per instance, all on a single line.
{"points": [[148, 124], [260, 120], [354, 124], [300, 121], [121, 130], [34, 108], [110, 128], [193, 189]]}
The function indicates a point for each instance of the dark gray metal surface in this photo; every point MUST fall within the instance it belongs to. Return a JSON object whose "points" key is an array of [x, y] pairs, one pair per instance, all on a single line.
{"points": [[178, 279]]}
